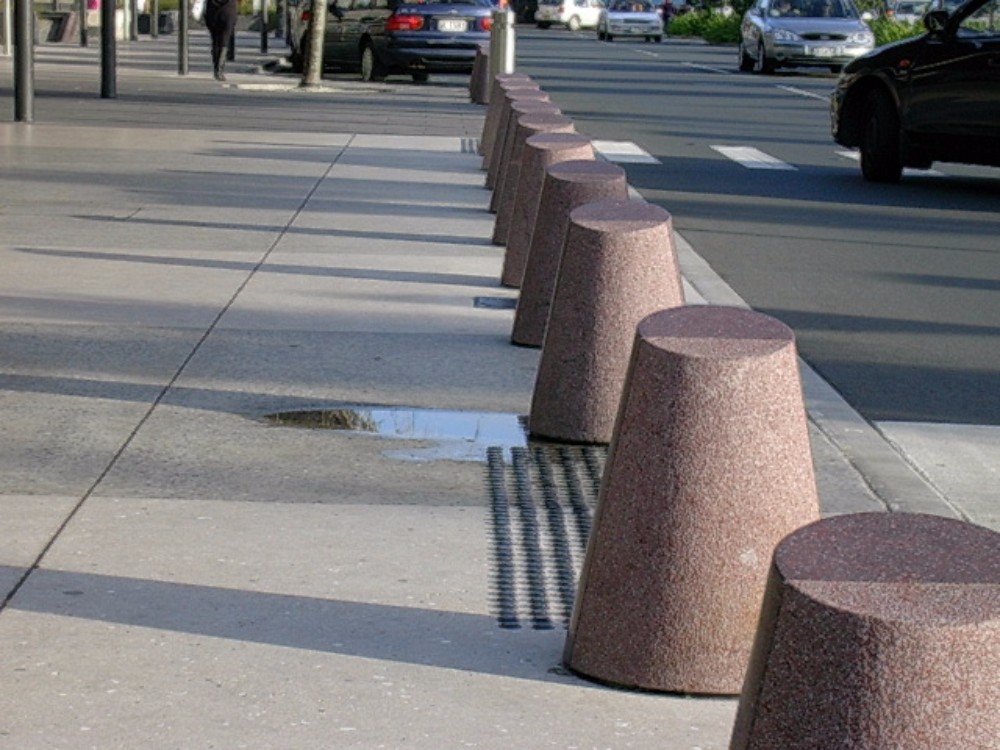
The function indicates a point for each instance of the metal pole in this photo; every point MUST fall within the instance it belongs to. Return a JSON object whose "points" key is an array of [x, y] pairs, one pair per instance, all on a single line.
{"points": [[109, 85], [279, 26], [81, 9], [8, 27], [24, 71], [263, 26], [154, 19], [133, 20], [182, 38]]}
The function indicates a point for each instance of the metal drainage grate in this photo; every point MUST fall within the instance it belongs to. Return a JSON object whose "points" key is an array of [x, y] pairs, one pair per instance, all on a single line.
{"points": [[495, 303], [542, 503], [470, 145]]}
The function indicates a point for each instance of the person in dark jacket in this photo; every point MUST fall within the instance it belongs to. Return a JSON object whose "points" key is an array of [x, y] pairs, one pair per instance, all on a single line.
{"points": [[220, 18]]}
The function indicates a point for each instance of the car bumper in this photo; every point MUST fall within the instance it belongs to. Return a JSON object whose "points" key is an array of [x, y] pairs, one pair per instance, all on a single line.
{"points": [[816, 54], [634, 30], [433, 57]]}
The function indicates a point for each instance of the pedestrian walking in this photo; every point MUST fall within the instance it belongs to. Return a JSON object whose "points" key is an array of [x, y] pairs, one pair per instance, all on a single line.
{"points": [[668, 11], [220, 18]]}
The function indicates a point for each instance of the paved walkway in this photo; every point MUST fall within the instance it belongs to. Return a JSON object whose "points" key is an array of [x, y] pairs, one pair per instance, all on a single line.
{"points": [[179, 571]]}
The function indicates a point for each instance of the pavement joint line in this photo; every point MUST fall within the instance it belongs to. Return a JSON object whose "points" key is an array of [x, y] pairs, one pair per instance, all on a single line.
{"points": [[36, 563]]}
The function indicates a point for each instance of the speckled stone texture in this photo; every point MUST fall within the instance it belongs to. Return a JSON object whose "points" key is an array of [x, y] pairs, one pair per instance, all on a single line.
{"points": [[505, 195], [540, 151], [566, 186], [879, 630], [479, 86], [501, 82], [618, 265], [517, 101], [710, 468]]}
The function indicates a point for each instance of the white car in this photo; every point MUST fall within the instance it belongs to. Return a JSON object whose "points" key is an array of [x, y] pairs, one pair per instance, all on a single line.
{"points": [[636, 18], [573, 14]]}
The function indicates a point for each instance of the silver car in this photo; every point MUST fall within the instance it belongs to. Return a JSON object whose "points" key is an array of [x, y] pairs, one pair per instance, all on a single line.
{"points": [[802, 33], [635, 18]]}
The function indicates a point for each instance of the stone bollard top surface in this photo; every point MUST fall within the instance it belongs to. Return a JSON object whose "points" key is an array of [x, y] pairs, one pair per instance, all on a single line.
{"points": [[619, 216], [902, 567], [719, 332]]}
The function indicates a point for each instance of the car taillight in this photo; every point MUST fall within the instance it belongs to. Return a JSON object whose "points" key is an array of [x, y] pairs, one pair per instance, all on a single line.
{"points": [[304, 17], [404, 23], [486, 23]]}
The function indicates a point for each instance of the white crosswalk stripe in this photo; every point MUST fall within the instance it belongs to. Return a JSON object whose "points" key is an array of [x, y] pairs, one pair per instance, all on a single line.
{"points": [[752, 158], [624, 152]]}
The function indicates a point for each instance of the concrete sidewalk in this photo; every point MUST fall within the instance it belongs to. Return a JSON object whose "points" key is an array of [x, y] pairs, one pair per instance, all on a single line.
{"points": [[179, 571]]}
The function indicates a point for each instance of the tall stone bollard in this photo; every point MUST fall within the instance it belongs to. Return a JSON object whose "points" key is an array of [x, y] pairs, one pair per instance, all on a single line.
{"points": [[540, 152], [878, 630], [710, 467], [498, 86], [516, 102], [505, 195], [618, 265], [566, 186]]}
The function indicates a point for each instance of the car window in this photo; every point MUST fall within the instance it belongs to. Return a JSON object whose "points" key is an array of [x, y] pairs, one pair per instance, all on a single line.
{"points": [[812, 9], [984, 22], [632, 6]]}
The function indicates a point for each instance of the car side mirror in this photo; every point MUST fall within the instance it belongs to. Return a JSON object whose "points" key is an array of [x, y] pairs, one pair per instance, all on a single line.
{"points": [[936, 21]]}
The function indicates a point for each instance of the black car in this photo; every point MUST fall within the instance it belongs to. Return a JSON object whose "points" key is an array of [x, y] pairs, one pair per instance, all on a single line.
{"points": [[383, 37], [935, 97]]}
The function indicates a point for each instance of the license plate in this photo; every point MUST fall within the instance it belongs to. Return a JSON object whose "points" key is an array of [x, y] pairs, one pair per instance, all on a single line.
{"points": [[825, 51], [453, 25]]}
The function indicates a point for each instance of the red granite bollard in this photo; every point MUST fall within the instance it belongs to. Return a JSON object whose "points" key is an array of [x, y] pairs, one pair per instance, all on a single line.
{"points": [[479, 90], [501, 82], [566, 186], [505, 195], [878, 630], [710, 467], [618, 265], [539, 152], [516, 102]]}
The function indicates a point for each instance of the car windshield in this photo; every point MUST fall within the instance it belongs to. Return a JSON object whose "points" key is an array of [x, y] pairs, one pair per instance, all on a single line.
{"points": [[984, 22], [632, 6], [812, 9]]}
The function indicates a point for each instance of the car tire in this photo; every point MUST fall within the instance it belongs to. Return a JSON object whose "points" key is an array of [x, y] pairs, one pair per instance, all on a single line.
{"points": [[601, 36], [657, 39], [420, 76], [880, 159], [296, 61], [573, 24], [746, 61], [371, 68], [835, 69], [608, 37], [543, 24], [762, 65]]}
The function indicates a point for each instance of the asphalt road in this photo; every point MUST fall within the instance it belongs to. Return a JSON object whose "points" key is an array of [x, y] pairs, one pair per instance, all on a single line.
{"points": [[892, 290]]}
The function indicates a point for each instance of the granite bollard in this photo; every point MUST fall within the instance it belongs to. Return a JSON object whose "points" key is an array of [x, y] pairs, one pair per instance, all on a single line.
{"points": [[501, 82], [710, 467], [618, 265], [540, 151], [565, 186], [878, 630], [505, 195], [479, 89], [516, 102]]}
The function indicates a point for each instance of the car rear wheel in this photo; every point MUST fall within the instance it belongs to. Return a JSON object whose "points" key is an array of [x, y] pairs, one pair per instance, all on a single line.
{"points": [[746, 61], [543, 24], [420, 76], [880, 160], [573, 24], [608, 37], [371, 68], [761, 64]]}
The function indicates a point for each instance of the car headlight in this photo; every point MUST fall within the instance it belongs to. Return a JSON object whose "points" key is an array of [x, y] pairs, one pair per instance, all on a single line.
{"points": [[863, 38], [784, 35]]}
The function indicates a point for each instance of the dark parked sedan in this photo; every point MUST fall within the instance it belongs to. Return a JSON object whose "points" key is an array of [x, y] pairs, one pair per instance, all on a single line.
{"points": [[384, 37], [935, 97]]}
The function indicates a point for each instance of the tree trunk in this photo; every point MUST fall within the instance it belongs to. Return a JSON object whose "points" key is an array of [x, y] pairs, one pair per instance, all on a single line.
{"points": [[313, 73]]}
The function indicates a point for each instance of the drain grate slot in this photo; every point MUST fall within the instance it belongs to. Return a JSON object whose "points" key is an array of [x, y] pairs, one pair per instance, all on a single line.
{"points": [[542, 505]]}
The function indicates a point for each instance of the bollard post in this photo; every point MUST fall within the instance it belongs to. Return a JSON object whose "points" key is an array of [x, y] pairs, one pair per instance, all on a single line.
{"points": [[502, 43], [263, 26], [709, 469], [877, 630]]}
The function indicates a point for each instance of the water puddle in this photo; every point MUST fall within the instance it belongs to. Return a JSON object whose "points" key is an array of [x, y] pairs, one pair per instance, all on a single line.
{"points": [[458, 435]]}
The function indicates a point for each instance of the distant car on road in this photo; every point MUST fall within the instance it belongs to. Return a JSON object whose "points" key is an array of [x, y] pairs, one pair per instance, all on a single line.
{"points": [[384, 37], [935, 97], [573, 14], [632, 18], [908, 11], [802, 33]]}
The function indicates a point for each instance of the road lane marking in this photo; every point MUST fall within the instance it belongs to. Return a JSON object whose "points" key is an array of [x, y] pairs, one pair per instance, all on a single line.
{"points": [[709, 68], [623, 152], [803, 92], [855, 156], [752, 158]]}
